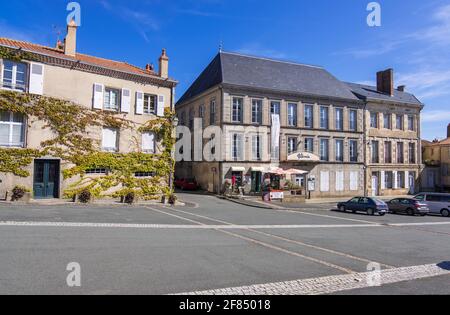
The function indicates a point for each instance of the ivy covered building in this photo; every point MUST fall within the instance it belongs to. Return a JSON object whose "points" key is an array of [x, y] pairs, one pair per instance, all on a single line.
{"points": [[72, 122]]}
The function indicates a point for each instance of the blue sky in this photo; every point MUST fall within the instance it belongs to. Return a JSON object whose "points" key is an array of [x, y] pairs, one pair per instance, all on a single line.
{"points": [[414, 37]]}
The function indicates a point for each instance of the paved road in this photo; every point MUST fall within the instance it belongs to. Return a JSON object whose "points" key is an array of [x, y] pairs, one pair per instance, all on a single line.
{"points": [[215, 244]]}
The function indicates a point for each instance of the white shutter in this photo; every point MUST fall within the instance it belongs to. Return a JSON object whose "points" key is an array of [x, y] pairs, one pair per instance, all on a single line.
{"points": [[140, 103], [395, 179], [407, 180], [324, 181], [241, 147], [340, 181], [97, 100], [354, 179], [36, 85], [109, 140], [161, 106], [383, 180], [148, 142], [126, 101]]}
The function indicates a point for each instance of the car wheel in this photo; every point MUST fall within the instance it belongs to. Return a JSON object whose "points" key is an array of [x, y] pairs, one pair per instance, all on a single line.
{"points": [[410, 212], [445, 213], [342, 208], [370, 212]]}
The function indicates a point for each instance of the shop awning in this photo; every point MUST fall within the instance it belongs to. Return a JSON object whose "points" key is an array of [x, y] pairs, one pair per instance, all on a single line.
{"points": [[294, 171], [238, 169], [277, 171], [257, 169]]}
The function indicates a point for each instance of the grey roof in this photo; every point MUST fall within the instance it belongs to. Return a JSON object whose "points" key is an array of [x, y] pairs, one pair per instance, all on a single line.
{"points": [[366, 92], [267, 74]]}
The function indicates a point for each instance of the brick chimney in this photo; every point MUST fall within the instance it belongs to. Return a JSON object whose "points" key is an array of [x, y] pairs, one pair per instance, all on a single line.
{"points": [[385, 81], [164, 65], [70, 43], [401, 88]]}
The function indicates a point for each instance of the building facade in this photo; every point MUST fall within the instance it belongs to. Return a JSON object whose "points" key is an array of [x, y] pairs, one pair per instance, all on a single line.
{"points": [[279, 115], [128, 92]]}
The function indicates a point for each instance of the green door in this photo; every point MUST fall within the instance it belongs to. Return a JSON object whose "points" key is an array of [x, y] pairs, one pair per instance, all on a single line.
{"points": [[46, 179], [256, 182]]}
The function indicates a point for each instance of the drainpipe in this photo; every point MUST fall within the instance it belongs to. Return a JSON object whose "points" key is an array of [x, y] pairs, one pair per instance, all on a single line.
{"points": [[365, 167]]}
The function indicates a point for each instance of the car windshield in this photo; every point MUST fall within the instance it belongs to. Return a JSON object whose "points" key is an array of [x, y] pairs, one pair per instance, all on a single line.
{"points": [[379, 202]]}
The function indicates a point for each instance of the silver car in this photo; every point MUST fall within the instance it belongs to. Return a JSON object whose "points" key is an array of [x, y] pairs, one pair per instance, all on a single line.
{"points": [[438, 203]]}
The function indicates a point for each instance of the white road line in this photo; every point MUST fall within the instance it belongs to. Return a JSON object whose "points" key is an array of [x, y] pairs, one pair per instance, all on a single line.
{"points": [[333, 284]]}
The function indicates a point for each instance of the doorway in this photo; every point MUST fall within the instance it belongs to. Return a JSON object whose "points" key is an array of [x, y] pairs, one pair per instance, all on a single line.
{"points": [[375, 190], [46, 179], [412, 183], [256, 182]]}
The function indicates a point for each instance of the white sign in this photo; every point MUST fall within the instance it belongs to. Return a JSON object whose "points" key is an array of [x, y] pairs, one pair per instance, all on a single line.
{"points": [[276, 195], [303, 157]]}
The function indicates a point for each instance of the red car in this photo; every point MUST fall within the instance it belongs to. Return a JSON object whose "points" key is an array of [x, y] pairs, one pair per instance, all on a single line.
{"points": [[187, 184]]}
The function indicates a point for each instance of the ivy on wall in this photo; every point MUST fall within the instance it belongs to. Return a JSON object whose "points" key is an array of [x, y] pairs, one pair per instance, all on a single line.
{"points": [[70, 124]]}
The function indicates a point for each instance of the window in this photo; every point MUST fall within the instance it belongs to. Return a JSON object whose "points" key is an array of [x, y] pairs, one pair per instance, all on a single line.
{"points": [[237, 147], [191, 118], [412, 153], [388, 180], [292, 145], [12, 129], [353, 120], [375, 152], [256, 148], [339, 150], [324, 117], [275, 108], [373, 120], [387, 152], [309, 145], [144, 174], [256, 111], [150, 104], [201, 113], [183, 119], [399, 124], [292, 115], [400, 179], [237, 109], [400, 153], [309, 116], [98, 171], [212, 112], [148, 142], [387, 121], [324, 149], [14, 75], [411, 123], [109, 139], [353, 147], [339, 119], [111, 99]]}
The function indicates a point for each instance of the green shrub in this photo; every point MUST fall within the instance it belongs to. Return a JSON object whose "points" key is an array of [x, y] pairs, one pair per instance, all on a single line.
{"points": [[18, 192], [85, 196]]}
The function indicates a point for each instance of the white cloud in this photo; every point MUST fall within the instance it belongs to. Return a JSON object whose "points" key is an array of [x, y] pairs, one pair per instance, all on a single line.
{"points": [[436, 116], [257, 49]]}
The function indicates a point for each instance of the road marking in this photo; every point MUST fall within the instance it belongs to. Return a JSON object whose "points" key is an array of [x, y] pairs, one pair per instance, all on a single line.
{"points": [[333, 284], [291, 240]]}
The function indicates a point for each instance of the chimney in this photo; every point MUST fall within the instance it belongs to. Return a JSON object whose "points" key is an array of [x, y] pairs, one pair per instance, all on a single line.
{"points": [[385, 81], [448, 131], [70, 43], [164, 65], [402, 88], [149, 68], [59, 45]]}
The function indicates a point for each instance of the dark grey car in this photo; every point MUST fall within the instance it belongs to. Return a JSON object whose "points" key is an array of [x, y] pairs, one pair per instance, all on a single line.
{"points": [[409, 206]]}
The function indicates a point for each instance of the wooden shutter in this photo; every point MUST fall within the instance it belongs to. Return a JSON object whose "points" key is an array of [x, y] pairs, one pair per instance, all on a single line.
{"points": [[36, 85], [148, 142], [324, 181], [383, 180], [407, 180], [395, 180], [340, 181], [354, 180], [97, 100], [109, 140], [140, 103], [126, 101], [161, 106]]}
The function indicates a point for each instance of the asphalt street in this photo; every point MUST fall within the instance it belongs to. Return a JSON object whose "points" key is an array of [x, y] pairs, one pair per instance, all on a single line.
{"points": [[212, 244]]}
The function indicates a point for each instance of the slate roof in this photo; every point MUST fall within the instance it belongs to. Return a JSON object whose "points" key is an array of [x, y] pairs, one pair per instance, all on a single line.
{"points": [[367, 92], [267, 74]]}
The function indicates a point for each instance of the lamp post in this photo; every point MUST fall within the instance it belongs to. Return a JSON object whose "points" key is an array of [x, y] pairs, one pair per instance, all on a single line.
{"points": [[175, 122]]}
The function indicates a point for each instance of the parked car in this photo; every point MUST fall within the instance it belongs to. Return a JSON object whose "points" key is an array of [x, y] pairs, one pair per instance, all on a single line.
{"points": [[438, 203], [178, 182], [409, 206], [187, 184], [369, 205]]}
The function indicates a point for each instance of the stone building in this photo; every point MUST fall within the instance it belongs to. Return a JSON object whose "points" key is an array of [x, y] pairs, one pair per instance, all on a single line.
{"points": [[320, 134], [61, 72]]}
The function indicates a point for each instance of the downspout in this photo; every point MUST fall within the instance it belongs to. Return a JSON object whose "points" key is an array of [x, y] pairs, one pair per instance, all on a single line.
{"points": [[366, 191], [220, 178]]}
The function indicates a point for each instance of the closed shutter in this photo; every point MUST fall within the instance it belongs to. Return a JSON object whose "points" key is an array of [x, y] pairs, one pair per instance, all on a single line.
{"points": [[383, 180], [395, 180], [148, 142], [161, 106], [254, 147], [354, 180], [339, 181], [126, 101], [109, 140], [97, 100], [407, 180], [36, 85], [241, 147], [139, 103], [324, 181]]}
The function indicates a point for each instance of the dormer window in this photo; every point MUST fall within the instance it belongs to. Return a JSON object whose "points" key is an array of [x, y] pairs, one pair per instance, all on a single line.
{"points": [[14, 75]]}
